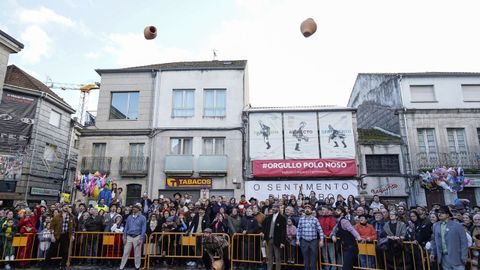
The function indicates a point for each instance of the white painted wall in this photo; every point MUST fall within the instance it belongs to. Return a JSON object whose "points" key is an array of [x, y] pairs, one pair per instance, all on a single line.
{"points": [[448, 92], [4, 54]]}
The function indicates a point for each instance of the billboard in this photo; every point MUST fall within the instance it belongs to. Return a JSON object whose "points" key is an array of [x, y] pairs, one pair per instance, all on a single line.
{"points": [[336, 135], [265, 135], [323, 188], [300, 135], [188, 182], [304, 168], [17, 114]]}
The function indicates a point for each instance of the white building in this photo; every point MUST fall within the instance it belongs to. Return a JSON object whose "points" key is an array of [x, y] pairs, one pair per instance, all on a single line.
{"points": [[438, 117], [8, 45], [177, 121]]}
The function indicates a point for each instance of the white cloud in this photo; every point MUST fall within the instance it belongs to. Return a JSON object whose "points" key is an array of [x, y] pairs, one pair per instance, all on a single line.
{"points": [[131, 49], [37, 44], [92, 55], [43, 15]]}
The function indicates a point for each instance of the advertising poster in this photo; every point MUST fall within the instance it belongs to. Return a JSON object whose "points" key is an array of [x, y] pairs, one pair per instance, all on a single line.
{"points": [[323, 188], [304, 168], [301, 135], [266, 140], [10, 168], [17, 114], [336, 135]]}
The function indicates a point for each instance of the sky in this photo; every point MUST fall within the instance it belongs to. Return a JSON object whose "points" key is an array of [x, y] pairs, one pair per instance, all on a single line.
{"points": [[67, 40]]}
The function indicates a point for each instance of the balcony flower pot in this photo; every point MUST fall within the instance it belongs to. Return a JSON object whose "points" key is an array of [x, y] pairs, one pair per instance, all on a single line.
{"points": [[150, 32], [308, 27]]}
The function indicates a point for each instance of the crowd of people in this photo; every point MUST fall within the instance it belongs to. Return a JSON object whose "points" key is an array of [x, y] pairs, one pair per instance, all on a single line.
{"points": [[336, 225]]}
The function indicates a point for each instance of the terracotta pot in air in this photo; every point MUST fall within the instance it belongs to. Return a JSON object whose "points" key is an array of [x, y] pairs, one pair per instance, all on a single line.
{"points": [[308, 27], [150, 32]]}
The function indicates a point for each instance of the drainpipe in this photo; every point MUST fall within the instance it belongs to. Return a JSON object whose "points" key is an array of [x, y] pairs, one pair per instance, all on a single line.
{"points": [[151, 169], [34, 145], [67, 161], [409, 158]]}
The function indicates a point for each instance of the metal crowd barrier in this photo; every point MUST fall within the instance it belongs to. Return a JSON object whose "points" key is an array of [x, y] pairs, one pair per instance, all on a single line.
{"points": [[92, 246], [24, 248], [177, 246]]}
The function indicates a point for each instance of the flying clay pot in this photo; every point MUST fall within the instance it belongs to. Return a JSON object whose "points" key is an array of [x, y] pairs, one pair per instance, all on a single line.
{"points": [[150, 32], [308, 27]]}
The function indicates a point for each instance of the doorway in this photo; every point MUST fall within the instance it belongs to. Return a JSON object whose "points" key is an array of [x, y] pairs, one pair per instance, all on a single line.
{"points": [[434, 197]]}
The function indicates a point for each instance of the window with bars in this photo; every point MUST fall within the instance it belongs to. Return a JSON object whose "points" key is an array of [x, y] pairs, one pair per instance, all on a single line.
{"points": [[181, 146], [213, 146], [456, 140], [426, 140], [183, 103], [214, 102], [382, 163]]}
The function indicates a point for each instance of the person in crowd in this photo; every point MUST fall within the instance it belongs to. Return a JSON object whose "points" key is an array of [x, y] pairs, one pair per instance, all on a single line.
{"points": [[309, 237], [391, 240], [7, 232], [242, 204], [449, 242], [101, 206], [200, 222], [63, 227], [376, 204], [292, 241], [250, 226], [134, 235], [328, 223], [368, 234], [234, 222], [218, 224], [217, 204], [348, 237], [340, 201], [213, 245], [45, 238], [468, 222], [28, 226], [274, 231], [146, 202], [117, 228], [109, 218], [258, 215]]}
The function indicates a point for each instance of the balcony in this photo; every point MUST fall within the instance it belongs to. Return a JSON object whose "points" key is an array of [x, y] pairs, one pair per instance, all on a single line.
{"points": [[134, 166], [470, 162], [213, 165], [94, 164], [179, 164]]}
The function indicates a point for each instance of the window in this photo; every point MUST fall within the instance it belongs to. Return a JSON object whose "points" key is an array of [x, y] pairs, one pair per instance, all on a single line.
{"points": [[50, 156], [76, 144], [183, 103], [478, 135], [55, 118], [124, 105], [426, 140], [213, 146], [214, 101], [136, 149], [134, 194], [422, 93], [181, 146], [471, 93], [382, 163], [456, 140], [98, 149]]}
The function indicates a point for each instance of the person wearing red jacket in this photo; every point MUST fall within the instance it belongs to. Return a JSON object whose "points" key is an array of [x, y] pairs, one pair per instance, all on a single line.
{"points": [[27, 225], [242, 205], [367, 233], [328, 223]]}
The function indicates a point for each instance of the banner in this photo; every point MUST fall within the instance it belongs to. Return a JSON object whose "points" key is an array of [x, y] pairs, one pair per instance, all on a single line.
{"points": [[336, 135], [17, 114], [304, 168], [301, 135], [10, 168], [323, 188], [188, 182], [265, 136]]}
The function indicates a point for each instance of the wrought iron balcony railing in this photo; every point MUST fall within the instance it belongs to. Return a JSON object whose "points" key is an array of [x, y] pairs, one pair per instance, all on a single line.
{"points": [[468, 161], [94, 164], [134, 166]]}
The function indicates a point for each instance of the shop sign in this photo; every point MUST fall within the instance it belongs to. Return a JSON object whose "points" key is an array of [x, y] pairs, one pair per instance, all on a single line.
{"points": [[323, 188], [386, 186], [44, 192], [188, 182], [304, 168]]}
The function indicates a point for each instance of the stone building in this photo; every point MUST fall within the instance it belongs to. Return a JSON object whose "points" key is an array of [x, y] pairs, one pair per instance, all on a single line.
{"points": [[437, 115], [172, 127], [8, 45]]}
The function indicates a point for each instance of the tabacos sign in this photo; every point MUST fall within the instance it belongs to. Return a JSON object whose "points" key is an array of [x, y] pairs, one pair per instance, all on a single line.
{"points": [[177, 182], [304, 167]]}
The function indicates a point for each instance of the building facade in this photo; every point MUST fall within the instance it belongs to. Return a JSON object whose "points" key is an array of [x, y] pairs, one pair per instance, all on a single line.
{"points": [[35, 135], [8, 45], [437, 117], [167, 128], [294, 150]]}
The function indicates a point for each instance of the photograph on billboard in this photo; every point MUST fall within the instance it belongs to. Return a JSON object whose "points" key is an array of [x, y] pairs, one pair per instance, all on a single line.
{"points": [[301, 135], [266, 140], [336, 135]]}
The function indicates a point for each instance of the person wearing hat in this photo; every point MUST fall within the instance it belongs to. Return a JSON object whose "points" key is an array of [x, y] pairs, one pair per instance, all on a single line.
{"points": [[134, 235], [449, 242], [213, 244], [275, 236], [309, 238]]}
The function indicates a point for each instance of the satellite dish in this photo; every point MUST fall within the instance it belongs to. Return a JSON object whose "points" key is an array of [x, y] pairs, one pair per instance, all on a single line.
{"points": [[308, 27], [150, 32]]}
